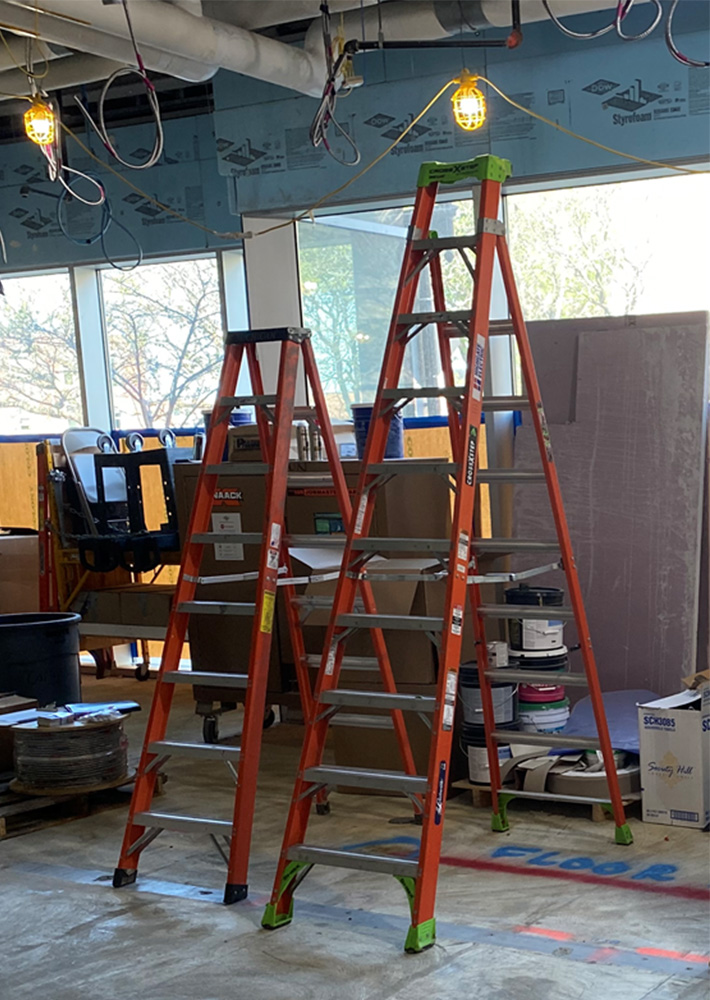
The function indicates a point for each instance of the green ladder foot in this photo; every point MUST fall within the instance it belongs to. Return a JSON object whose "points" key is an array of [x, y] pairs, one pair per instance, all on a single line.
{"points": [[623, 835], [499, 822], [273, 920], [421, 936]]}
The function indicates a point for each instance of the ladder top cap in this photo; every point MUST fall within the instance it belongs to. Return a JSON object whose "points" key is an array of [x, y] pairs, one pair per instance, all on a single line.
{"points": [[272, 334], [482, 168]]}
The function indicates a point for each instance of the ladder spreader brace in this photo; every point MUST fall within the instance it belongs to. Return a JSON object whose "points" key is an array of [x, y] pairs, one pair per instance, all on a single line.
{"points": [[464, 407]]}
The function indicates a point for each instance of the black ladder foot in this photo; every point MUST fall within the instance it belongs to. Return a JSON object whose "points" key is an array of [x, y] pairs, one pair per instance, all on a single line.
{"points": [[124, 876], [234, 893]]}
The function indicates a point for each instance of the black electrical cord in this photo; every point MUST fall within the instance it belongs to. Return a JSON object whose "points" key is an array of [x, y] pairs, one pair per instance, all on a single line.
{"points": [[99, 236]]}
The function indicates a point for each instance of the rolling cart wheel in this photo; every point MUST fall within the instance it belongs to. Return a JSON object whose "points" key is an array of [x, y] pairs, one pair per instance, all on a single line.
{"points": [[142, 672], [210, 729], [269, 718]]}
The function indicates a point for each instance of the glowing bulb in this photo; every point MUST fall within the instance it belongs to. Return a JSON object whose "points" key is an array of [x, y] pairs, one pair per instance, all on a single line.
{"points": [[469, 104], [40, 123]]}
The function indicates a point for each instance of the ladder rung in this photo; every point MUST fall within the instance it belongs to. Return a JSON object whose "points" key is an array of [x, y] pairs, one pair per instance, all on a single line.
{"points": [[367, 663], [525, 611], [183, 824], [510, 476], [216, 608], [425, 392], [205, 678], [362, 777], [401, 544], [324, 541], [201, 751], [446, 242], [348, 859], [378, 699], [501, 404], [546, 739], [239, 469], [506, 545], [415, 466], [217, 538], [403, 623], [537, 677], [247, 401], [424, 318], [555, 797], [351, 720]]}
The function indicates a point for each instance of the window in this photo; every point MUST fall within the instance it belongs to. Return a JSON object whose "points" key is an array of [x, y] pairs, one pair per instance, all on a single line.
{"points": [[638, 247], [165, 341], [349, 268], [39, 373]]}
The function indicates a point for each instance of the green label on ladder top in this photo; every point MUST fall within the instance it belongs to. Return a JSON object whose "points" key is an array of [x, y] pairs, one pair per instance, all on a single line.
{"points": [[447, 626]]}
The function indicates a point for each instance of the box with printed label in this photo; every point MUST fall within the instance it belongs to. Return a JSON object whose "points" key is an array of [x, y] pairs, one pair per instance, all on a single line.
{"points": [[675, 758]]}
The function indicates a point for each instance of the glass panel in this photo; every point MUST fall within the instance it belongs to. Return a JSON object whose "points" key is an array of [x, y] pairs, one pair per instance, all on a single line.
{"points": [[165, 340], [39, 372], [637, 247], [349, 268]]}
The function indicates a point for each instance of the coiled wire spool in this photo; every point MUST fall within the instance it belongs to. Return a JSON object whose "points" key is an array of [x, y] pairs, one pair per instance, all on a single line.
{"points": [[75, 758]]}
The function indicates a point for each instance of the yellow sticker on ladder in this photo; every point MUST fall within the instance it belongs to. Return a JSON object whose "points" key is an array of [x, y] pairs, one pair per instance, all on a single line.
{"points": [[267, 611]]}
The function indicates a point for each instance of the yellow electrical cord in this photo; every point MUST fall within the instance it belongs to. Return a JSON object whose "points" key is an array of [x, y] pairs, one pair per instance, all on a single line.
{"points": [[591, 142], [237, 235]]}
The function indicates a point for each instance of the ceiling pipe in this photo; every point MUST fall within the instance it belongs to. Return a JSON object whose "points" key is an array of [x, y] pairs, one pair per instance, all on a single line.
{"points": [[70, 72], [410, 20], [18, 54], [170, 29], [60, 31]]}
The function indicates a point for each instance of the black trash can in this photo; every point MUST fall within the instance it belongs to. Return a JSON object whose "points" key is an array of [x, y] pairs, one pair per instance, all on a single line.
{"points": [[39, 656]]}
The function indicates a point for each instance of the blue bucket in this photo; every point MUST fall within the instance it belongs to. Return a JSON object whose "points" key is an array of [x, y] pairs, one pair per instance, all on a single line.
{"points": [[362, 415]]}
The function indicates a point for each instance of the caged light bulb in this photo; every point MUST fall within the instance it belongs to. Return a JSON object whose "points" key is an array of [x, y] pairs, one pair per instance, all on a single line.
{"points": [[469, 104], [40, 123]]}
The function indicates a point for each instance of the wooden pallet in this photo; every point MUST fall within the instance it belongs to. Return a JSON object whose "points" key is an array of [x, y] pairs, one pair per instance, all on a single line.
{"points": [[21, 813]]}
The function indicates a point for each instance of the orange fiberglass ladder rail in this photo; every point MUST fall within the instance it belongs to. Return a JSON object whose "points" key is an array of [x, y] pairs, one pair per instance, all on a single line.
{"points": [[275, 415], [465, 404]]}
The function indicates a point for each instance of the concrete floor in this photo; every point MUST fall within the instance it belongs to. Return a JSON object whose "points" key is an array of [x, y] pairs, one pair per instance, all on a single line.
{"points": [[624, 929]]}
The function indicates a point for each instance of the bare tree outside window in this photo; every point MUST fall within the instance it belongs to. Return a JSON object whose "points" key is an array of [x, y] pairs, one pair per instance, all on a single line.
{"points": [[165, 339], [39, 372]]}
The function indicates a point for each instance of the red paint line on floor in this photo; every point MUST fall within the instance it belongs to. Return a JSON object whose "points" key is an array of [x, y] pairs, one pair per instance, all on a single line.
{"points": [[600, 955], [662, 888], [682, 956], [546, 932]]}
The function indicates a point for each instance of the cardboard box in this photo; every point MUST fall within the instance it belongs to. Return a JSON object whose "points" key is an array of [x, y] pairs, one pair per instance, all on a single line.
{"points": [[19, 574], [147, 604], [675, 759], [221, 644], [99, 607], [13, 708]]}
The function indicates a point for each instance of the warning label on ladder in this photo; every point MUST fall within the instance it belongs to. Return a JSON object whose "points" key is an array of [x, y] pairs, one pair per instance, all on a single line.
{"points": [[267, 612]]}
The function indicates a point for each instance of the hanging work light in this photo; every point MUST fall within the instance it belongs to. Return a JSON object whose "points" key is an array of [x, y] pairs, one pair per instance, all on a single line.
{"points": [[469, 104], [40, 122]]}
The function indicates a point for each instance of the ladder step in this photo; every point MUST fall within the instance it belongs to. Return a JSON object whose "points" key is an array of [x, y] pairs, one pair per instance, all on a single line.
{"points": [[366, 663], [525, 611], [352, 720], [200, 751], [247, 401], [424, 318], [216, 608], [416, 466], [183, 824], [438, 545], [362, 777], [239, 469], [378, 699], [403, 623], [537, 677], [546, 739], [493, 404], [446, 242], [348, 859], [205, 678], [218, 538], [503, 546], [555, 797]]}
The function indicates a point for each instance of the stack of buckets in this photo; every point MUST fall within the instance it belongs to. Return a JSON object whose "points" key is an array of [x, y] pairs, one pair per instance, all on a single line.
{"points": [[505, 712], [538, 644], [534, 644]]}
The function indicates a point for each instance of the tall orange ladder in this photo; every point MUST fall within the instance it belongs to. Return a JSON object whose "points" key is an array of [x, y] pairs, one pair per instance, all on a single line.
{"points": [[465, 404], [275, 415]]}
